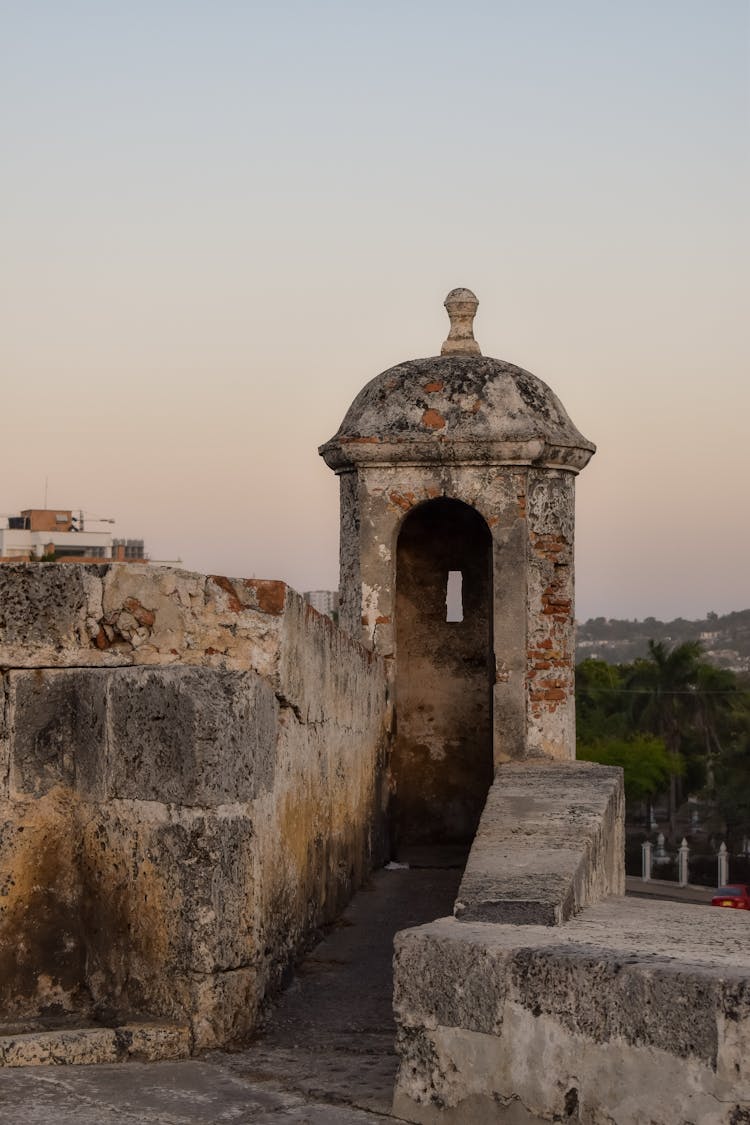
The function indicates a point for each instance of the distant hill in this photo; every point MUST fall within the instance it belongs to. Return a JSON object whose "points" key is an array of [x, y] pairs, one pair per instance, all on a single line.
{"points": [[726, 639]]}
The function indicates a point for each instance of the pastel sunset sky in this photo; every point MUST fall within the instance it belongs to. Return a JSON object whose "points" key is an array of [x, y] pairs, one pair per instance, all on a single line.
{"points": [[221, 218]]}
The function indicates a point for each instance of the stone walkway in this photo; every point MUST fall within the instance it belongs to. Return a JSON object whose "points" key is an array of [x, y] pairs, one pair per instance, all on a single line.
{"points": [[326, 1056]]}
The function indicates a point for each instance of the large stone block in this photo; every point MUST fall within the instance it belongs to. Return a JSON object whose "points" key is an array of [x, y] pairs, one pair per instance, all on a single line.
{"points": [[144, 1042], [45, 609], [168, 900], [631, 1011], [42, 933], [163, 616], [193, 736], [58, 730], [550, 842], [225, 1007]]}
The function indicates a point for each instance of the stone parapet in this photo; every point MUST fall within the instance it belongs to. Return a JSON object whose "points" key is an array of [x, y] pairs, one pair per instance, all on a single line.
{"points": [[550, 841], [190, 784], [58, 615], [632, 1011]]}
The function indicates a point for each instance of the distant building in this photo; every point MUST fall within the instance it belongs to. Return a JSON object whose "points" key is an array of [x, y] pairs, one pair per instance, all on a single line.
{"points": [[129, 550], [37, 533], [325, 601]]}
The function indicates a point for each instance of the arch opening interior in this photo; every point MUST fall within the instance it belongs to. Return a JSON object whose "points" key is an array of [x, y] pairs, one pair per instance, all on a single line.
{"points": [[442, 760]]}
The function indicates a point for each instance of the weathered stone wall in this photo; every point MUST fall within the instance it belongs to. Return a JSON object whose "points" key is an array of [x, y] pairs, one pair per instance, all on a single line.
{"points": [[551, 997], [632, 1012], [530, 513], [188, 787], [550, 645]]}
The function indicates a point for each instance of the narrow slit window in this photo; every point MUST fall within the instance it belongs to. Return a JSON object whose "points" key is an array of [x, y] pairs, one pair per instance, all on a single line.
{"points": [[454, 599]]}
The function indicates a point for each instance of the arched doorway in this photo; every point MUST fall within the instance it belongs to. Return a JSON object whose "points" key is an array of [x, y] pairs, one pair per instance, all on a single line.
{"points": [[442, 763]]}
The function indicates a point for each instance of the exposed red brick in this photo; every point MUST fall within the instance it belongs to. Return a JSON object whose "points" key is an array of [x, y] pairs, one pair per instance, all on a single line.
{"points": [[549, 547], [436, 385], [432, 419], [271, 594], [382, 620], [142, 615], [224, 584], [544, 659], [541, 694], [403, 500], [100, 640]]}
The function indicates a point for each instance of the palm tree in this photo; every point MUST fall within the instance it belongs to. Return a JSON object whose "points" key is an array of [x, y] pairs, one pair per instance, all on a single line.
{"points": [[716, 690], [665, 693]]}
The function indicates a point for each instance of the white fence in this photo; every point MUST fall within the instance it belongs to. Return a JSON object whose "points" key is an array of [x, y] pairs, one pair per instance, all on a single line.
{"points": [[651, 857]]}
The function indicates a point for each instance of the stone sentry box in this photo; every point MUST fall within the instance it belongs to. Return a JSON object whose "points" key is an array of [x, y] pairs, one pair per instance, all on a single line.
{"points": [[466, 464]]}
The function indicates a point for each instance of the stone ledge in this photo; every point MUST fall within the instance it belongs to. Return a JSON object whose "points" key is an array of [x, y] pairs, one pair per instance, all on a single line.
{"points": [[548, 844], [631, 1004], [144, 1042], [120, 614]]}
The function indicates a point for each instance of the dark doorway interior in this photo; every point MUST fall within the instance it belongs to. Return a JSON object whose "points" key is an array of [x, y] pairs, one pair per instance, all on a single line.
{"points": [[442, 761]]}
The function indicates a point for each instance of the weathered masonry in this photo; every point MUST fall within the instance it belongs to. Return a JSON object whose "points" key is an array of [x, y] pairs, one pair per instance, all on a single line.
{"points": [[462, 465], [547, 996], [189, 784], [196, 772]]}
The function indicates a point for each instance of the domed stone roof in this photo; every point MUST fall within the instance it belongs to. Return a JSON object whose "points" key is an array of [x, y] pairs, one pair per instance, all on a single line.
{"points": [[457, 407]]}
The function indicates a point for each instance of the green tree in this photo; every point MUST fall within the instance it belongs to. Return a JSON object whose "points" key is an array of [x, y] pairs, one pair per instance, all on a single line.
{"points": [[663, 688], [674, 703], [715, 692], [599, 712], [645, 762], [732, 769]]}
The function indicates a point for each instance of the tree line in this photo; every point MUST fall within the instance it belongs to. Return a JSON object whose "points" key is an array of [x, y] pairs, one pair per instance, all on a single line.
{"points": [[679, 727]]}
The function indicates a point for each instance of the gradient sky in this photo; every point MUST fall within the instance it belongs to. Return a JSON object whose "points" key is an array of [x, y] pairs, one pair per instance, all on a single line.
{"points": [[220, 219]]}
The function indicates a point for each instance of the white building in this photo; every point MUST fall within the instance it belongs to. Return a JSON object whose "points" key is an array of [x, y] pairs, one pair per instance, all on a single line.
{"points": [[39, 532], [325, 601]]}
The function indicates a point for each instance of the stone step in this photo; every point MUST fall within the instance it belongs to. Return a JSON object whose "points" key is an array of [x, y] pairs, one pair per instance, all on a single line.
{"points": [[144, 1042]]}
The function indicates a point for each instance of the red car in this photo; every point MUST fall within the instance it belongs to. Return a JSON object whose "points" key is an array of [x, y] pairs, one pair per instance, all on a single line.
{"points": [[736, 895]]}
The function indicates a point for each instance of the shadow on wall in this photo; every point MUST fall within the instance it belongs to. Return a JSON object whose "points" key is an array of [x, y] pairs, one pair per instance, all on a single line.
{"points": [[442, 761]]}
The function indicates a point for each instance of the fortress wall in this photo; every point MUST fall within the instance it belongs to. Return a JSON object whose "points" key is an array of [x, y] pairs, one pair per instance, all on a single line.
{"points": [[188, 789], [633, 1011]]}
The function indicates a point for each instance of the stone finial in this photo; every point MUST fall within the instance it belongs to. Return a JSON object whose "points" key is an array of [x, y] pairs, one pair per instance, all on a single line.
{"points": [[462, 306]]}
